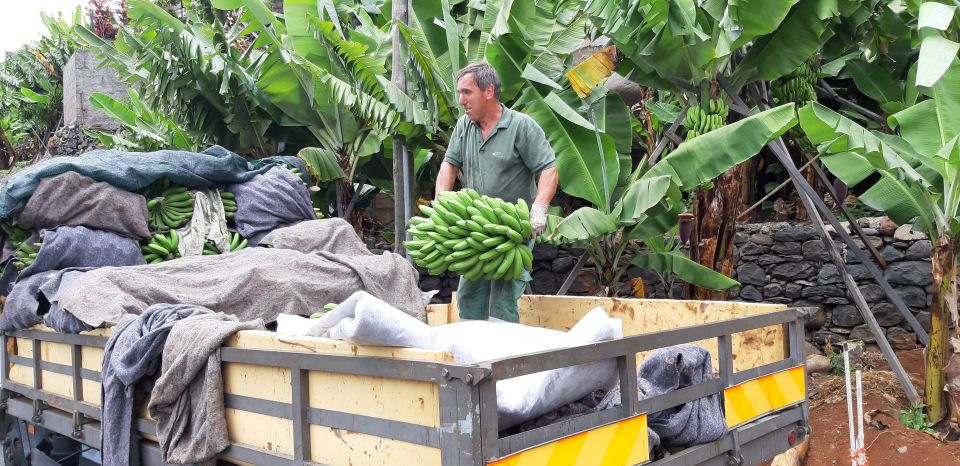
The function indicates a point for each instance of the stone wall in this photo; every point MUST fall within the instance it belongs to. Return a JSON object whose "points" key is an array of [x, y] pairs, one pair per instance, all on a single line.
{"points": [[783, 263], [81, 78]]}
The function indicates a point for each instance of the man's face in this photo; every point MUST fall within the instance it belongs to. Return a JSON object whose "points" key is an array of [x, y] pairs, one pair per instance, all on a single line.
{"points": [[475, 102]]}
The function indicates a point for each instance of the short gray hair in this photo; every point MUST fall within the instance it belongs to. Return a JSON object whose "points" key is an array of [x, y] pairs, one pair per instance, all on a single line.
{"points": [[484, 75]]}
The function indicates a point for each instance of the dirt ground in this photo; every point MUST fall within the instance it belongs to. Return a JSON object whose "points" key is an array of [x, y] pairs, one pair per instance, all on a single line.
{"points": [[888, 441]]}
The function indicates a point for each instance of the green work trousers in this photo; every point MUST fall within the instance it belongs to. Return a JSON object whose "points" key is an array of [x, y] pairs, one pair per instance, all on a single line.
{"points": [[483, 299]]}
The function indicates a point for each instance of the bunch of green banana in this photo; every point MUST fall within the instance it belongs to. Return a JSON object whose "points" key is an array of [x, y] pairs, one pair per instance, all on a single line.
{"points": [[318, 212], [702, 119], [171, 209], [162, 247], [229, 203], [476, 236], [237, 243], [26, 254], [796, 87], [16, 234]]}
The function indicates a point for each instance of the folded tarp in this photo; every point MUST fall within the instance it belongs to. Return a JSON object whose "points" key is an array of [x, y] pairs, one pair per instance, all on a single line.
{"points": [[271, 200], [334, 235], [670, 369], [251, 283], [131, 171], [71, 199]]}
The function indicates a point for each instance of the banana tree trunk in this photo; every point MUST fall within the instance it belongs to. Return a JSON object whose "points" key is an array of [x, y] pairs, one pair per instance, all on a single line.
{"points": [[943, 307], [715, 211], [6, 150]]}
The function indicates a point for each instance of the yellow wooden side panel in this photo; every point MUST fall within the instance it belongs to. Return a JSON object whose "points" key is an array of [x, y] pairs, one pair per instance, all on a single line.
{"points": [[766, 394], [622, 443], [344, 448]]}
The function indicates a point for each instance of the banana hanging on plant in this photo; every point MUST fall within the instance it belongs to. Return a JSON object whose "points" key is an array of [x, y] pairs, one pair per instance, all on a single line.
{"points": [[161, 247], [706, 117], [475, 236]]}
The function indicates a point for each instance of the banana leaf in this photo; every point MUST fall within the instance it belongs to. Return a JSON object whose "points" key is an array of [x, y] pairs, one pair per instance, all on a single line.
{"points": [[688, 270], [321, 165], [703, 158]]}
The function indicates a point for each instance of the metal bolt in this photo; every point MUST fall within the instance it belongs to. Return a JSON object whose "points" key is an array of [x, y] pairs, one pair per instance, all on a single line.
{"points": [[468, 378], [445, 373]]}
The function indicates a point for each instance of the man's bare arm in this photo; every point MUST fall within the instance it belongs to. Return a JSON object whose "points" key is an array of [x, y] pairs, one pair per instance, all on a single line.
{"points": [[446, 177], [547, 186]]}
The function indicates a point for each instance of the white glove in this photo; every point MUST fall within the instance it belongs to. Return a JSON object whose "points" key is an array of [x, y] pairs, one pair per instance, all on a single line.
{"points": [[538, 218]]}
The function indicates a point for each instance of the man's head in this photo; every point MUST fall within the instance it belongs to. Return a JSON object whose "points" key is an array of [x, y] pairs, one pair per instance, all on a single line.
{"points": [[479, 88]]}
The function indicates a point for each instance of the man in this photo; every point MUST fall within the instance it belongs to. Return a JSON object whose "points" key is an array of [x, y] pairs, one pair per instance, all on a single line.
{"points": [[501, 153]]}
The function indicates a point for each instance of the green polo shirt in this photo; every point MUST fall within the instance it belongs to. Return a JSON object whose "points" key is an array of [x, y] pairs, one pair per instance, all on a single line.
{"points": [[506, 164]]}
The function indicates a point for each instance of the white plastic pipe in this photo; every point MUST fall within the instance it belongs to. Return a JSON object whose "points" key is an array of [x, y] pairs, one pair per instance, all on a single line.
{"points": [[846, 380]]}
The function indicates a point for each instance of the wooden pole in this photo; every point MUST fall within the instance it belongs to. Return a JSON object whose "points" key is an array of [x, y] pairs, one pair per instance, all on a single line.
{"points": [[403, 184]]}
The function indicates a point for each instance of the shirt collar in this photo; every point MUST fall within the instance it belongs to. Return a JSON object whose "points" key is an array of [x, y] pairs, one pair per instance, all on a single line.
{"points": [[506, 115]]}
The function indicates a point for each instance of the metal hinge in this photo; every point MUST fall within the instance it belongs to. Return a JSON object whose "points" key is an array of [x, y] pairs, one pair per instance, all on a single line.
{"points": [[38, 407], [78, 421]]}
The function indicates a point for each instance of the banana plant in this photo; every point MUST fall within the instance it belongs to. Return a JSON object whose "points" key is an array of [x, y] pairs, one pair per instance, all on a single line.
{"points": [[652, 199], [148, 130], [683, 46], [917, 174]]}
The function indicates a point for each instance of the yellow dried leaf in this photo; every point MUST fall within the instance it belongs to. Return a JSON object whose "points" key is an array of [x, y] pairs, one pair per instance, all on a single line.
{"points": [[591, 72], [638, 290]]}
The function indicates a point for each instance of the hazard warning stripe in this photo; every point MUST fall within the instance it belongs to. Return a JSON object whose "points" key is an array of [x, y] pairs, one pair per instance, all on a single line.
{"points": [[769, 393], [622, 443]]}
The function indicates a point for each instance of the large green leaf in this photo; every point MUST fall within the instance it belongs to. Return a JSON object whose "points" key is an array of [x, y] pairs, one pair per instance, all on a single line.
{"points": [[705, 157], [901, 201], [936, 52], [688, 270], [585, 223], [795, 40], [321, 165], [874, 81], [578, 157]]}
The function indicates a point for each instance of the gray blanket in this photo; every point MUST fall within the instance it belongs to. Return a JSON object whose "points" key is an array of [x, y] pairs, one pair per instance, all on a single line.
{"points": [[73, 199], [667, 370], [131, 171], [334, 235], [67, 247], [270, 200], [132, 353], [252, 283], [187, 398]]}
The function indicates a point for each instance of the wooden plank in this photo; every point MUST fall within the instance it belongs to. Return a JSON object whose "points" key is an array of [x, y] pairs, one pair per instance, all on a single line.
{"points": [[398, 400], [341, 448], [257, 339], [260, 431]]}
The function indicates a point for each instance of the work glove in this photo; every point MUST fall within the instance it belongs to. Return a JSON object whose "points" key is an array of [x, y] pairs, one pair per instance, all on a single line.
{"points": [[538, 219]]}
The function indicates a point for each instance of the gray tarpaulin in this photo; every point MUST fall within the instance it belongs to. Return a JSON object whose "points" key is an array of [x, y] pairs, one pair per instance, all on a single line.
{"points": [[67, 247], [669, 369], [132, 171], [270, 200], [63, 248], [187, 398], [252, 283], [334, 235], [73, 199], [132, 353]]}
